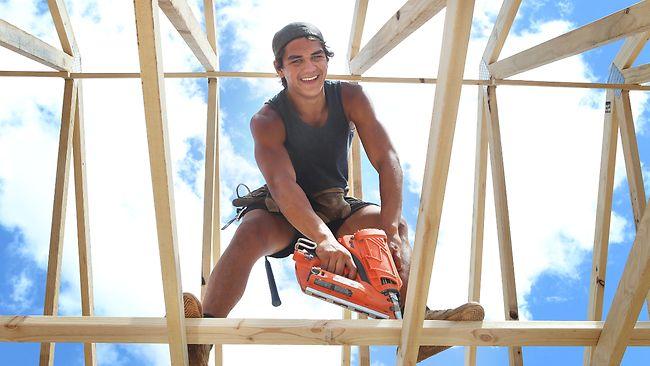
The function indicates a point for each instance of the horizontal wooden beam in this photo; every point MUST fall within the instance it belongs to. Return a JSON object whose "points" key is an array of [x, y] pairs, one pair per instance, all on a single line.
{"points": [[180, 15], [30, 46], [306, 332], [352, 78], [637, 75], [631, 20], [405, 21]]}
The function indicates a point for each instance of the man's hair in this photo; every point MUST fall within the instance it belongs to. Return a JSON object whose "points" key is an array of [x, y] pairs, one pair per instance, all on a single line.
{"points": [[280, 64]]}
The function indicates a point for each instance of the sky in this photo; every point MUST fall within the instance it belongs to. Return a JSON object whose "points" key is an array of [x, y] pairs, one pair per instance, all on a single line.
{"points": [[551, 141]]}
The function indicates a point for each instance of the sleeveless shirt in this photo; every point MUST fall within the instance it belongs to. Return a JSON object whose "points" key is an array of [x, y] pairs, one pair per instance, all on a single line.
{"points": [[319, 155]]}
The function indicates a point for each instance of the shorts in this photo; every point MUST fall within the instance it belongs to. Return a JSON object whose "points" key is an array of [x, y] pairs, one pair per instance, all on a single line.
{"points": [[355, 205]]}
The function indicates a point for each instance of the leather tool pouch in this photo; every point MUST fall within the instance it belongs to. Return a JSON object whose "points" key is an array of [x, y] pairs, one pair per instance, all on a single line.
{"points": [[329, 204], [261, 195]]}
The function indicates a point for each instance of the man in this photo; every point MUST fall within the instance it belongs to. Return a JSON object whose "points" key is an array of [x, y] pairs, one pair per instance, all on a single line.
{"points": [[302, 136]]}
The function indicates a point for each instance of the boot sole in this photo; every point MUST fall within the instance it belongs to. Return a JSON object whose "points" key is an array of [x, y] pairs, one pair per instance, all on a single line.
{"points": [[471, 311]]}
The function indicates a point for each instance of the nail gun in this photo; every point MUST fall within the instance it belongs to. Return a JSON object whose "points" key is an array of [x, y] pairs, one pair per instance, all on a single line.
{"points": [[374, 292]]}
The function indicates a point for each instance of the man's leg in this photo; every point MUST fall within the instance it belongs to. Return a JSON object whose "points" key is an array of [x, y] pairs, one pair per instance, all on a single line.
{"points": [[260, 233]]}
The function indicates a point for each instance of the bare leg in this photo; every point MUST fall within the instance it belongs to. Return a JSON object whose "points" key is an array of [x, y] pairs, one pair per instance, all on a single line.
{"points": [[260, 234]]}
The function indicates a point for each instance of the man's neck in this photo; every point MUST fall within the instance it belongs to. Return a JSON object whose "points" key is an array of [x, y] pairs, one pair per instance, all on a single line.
{"points": [[310, 108]]}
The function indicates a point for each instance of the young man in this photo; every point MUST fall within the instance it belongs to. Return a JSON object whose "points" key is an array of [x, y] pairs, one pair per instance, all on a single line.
{"points": [[302, 136]]}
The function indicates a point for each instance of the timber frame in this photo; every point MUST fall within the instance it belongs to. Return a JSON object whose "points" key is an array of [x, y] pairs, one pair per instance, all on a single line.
{"points": [[605, 341]]}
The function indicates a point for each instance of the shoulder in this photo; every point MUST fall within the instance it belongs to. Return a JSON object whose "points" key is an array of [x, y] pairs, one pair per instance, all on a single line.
{"points": [[267, 126], [354, 99]]}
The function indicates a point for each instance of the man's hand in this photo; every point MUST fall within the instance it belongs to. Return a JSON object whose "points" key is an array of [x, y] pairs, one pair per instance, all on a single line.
{"points": [[395, 246], [336, 259]]}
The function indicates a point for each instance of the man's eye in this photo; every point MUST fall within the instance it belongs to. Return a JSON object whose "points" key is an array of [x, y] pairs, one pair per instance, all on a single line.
{"points": [[296, 62], [317, 57]]}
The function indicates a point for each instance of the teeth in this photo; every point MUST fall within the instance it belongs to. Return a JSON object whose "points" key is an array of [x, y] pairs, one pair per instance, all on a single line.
{"points": [[310, 79]]}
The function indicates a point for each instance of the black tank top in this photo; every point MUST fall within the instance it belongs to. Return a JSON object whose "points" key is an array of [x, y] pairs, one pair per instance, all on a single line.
{"points": [[319, 154]]}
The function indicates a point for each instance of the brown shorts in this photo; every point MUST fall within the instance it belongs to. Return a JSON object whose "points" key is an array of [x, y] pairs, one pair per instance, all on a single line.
{"points": [[355, 205]]}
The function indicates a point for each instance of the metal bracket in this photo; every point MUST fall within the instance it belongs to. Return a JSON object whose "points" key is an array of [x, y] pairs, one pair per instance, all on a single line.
{"points": [[484, 72], [615, 77]]}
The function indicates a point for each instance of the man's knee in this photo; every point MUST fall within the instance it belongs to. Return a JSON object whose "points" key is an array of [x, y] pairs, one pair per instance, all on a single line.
{"points": [[257, 235]]}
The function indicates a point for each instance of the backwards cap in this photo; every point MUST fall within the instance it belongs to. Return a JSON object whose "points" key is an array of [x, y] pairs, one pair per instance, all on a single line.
{"points": [[292, 31]]}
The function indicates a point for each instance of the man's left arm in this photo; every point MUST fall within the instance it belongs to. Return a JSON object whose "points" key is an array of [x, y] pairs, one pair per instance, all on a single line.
{"points": [[382, 156]]}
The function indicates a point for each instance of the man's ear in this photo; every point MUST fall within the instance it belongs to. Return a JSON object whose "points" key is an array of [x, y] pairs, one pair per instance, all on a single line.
{"points": [[278, 69]]}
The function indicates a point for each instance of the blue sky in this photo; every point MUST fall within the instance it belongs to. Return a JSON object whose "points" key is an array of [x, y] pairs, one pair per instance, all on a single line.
{"points": [[551, 161]]}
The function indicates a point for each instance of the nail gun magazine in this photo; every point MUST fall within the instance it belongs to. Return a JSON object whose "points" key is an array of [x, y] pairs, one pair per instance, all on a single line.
{"points": [[374, 292]]}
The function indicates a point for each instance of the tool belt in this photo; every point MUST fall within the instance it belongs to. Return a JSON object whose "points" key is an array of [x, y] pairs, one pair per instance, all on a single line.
{"points": [[329, 204]]}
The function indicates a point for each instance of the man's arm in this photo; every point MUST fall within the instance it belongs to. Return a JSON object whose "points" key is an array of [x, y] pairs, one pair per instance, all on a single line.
{"points": [[381, 154], [274, 162]]}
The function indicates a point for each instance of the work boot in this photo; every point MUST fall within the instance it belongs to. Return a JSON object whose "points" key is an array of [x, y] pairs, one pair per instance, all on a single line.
{"points": [[471, 311], [198, 353]]}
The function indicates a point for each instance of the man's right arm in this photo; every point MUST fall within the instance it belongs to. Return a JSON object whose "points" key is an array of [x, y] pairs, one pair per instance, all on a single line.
{"points": [[274, 163]]}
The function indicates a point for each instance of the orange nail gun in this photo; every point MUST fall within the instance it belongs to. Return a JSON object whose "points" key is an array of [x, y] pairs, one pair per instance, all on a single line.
{"points": [[374, 292]]}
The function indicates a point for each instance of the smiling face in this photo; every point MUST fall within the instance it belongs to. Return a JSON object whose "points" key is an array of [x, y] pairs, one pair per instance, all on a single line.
{"points": [[304, 67]]}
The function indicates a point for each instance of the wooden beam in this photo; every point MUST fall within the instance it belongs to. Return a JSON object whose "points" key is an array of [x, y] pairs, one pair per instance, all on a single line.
{"points": [[455, 38], [508, 282], [478, 216], [52, 284], [628, 300], [83, 229], [342, 77], [637, 75], [307, 331], [631, 20], [623, 59], [211, 203], [21, 42], [180, 15], [153, 90], [632, 161], [603, 216], [501, 29], [63, 27], [631, 153], [411, 16], [354, 166], [358, 22]]}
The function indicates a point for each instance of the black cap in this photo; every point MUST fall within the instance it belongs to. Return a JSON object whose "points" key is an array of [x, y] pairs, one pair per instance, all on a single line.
{"points": [[292, 31]]}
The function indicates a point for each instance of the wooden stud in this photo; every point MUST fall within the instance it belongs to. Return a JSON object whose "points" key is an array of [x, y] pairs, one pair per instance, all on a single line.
{"points": [[478, 216], [411, 16], [354, 165], [153, 90], [497, 39], [52, 284], [180, 15], [631, 20], [308, 331], [211, 204], [508, 282], [19, 41], [63, 27], [623, 60], [628, 300], [631, 153], [637, 75], [455, 38], [603, 216], [83, 229], [632, 161], [500, 30]]}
